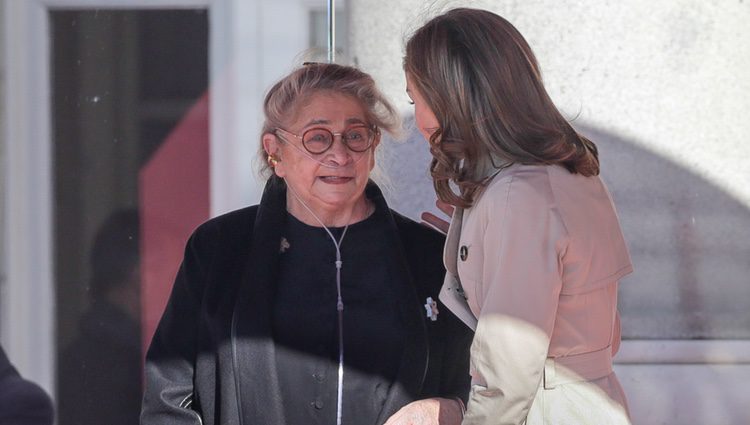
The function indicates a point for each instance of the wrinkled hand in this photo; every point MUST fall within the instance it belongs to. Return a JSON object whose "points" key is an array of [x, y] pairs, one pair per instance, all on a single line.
{"points": [[430, 411], [437, 222]]}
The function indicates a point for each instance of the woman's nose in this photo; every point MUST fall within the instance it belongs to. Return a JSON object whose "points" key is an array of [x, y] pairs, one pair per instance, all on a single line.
{"points": [[338, 152]]}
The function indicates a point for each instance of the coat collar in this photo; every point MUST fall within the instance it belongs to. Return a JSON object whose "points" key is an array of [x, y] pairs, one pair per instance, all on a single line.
{"points": [[253, 359], [253, 351], [452, 293]]}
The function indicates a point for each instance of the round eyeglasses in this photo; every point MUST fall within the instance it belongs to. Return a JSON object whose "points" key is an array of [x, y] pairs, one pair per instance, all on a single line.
{"points": [[318, 140]]}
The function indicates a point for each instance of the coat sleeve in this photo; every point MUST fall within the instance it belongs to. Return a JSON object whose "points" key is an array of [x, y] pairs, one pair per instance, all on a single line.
{"points": [[453, 336], [517, 296], [449, 339], [170, 361], [455, 381]]}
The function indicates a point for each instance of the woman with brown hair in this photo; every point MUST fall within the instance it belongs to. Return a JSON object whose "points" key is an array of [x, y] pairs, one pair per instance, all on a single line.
{"points": [[534, 251]]}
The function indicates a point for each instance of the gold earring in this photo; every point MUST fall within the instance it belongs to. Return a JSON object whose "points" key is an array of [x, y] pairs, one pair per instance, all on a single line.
{"points": [[272, 160]]}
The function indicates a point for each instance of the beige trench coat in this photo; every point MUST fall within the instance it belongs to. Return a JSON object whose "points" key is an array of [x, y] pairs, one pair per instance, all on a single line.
{"points": [[533, 267]]}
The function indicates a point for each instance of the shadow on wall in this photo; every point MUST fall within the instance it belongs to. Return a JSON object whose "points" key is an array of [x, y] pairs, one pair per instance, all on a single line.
{"points": [[689, 239]]}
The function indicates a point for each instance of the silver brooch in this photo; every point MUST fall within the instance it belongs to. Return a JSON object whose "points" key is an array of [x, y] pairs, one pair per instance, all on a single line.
{"points": [[432, 310]]}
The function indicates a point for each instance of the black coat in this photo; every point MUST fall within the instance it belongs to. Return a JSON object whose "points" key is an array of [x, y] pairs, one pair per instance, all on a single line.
{"points": [[22, 402], [211, 360]]}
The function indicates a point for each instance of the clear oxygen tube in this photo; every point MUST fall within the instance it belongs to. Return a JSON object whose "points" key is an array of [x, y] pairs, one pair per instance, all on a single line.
{"points": [[339, 302], [338, 264]]}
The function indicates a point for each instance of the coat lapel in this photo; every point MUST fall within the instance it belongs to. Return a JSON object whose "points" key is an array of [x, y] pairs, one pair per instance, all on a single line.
{"points": [[254, 359], [450, 251], [413, 366], [452, 293]]}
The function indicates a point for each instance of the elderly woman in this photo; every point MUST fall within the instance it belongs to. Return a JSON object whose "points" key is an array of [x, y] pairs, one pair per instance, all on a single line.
{"points": [[318, 305]]}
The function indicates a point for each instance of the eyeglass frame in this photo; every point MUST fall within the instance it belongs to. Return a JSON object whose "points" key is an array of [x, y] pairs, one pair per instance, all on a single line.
{"points": [[375, 132]]}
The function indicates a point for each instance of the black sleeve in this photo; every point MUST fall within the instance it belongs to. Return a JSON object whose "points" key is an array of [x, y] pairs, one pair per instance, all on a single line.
{"points": [[455, 379], [449, 338], [170, 361], [22, 401]]}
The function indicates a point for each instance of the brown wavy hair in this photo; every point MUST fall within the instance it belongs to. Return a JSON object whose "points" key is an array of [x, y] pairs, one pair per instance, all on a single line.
{"points": [[480, 78], [285, 97]]}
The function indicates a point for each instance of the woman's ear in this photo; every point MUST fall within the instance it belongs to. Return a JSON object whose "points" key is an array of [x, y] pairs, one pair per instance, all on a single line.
{"points": [[270, 144], [272, 147], [376, 140]]}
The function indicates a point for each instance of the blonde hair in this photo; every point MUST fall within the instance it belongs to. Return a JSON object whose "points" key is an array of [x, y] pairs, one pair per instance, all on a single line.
{"points": [[284, 99]]}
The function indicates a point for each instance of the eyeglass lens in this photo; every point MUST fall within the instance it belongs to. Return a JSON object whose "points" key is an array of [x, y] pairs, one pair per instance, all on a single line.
{"points": [[319, 140]]}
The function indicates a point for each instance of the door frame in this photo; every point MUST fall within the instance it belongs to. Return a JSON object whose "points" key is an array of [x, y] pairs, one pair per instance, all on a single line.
{"points": [[245, 55]]}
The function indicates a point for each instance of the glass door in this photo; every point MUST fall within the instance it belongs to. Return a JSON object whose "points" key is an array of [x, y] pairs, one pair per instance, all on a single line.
{"points": [[126, 123], [130, 157]]}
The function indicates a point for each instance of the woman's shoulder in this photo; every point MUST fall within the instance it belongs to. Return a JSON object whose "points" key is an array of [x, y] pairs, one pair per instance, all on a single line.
{"points": [[519, 183], [233, 226], [423, 252], [420, 232]]}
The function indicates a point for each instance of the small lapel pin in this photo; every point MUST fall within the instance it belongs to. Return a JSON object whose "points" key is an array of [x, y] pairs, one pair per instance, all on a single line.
{"points": [[463, 253], [284, 245], [432, 310]]}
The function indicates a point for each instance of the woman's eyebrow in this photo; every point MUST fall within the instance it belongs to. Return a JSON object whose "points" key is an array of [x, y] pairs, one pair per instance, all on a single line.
{"points": [[318, 121], [353, 120]]}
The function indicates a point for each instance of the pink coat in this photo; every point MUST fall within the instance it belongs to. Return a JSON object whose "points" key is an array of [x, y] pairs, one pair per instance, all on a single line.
{"points": [[538, 258]]}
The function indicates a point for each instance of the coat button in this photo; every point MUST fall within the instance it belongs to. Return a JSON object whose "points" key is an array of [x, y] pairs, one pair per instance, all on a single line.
{"points": [[318, 377], [463, 252], [318, 404]]}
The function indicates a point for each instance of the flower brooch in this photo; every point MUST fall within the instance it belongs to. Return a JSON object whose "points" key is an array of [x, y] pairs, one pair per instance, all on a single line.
{"points": [[431, 308]]}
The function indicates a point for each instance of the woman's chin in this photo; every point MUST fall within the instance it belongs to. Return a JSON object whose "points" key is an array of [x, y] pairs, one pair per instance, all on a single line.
{"points": [[337, 201], [339, 198]]}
